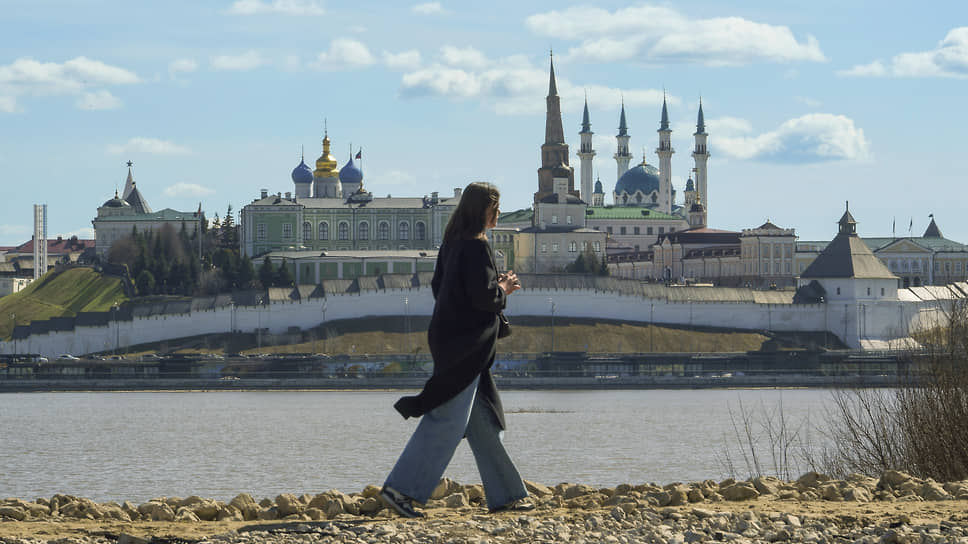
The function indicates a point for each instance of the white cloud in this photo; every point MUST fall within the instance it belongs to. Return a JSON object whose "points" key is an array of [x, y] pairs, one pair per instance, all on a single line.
{"points": [[816, 137], [405, 60], [511, 85], [181, 66], [185, 190], [83, 233], [249, 60], [151, 146], [466, 57], [28, 77], [100, 100], [428, 8], [285, 7], [344, 54], [948, 59], [660, 34], [8, 104], [874, 69]]}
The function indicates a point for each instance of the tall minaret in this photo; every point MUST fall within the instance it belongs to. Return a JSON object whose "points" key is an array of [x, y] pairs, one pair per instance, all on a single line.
{"points": [[701, 155], [554, 152], [586, 154], [622, 155], [665, 152]]}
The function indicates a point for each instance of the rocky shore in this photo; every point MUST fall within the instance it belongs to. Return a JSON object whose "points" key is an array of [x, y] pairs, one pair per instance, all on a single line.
{"points": [[896, 508]]}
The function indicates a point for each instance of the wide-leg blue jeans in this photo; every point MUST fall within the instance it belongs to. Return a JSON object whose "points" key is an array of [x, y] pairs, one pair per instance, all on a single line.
{"points": [[432, 445]]}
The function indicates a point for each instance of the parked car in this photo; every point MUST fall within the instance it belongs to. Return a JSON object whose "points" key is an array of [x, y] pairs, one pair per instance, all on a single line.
{"points": [[67, 357]]}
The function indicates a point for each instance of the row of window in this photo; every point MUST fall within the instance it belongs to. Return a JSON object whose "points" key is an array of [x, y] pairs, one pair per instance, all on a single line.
{"points": [[343, 231], [638, 230], [572, 247]]}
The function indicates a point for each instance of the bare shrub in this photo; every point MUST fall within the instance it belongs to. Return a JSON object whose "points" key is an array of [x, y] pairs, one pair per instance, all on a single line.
{"points": [[921, 426], [766, 441]]}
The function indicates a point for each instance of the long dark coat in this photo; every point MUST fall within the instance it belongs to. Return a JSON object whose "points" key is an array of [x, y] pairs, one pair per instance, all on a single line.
{"points": [[463, 330]]}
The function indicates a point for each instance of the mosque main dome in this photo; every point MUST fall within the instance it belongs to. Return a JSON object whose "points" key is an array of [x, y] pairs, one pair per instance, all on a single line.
{"points": [[644, 178]]}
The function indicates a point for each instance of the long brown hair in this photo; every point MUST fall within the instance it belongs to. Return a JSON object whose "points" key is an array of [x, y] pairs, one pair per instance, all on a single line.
{"points": [[470, 217]]}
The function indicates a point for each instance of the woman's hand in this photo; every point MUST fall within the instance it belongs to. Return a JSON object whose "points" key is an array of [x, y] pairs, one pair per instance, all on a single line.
{"points": [[508, 282]]}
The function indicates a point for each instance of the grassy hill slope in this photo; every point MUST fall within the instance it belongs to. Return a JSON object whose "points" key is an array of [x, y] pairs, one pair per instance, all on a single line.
{"points": [[60, 294]]}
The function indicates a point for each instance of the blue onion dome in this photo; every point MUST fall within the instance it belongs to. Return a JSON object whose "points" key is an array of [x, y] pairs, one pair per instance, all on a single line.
{"points": [[598, 188], [302, 173], [116, 202], [643, 177], [689, 185], [350, 173]]}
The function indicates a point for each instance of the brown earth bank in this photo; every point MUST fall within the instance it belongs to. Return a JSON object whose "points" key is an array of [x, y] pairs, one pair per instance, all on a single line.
{"points": [[895, 508]]}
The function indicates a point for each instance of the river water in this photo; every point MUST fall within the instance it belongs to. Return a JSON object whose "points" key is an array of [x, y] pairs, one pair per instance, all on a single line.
{"points": [[135, 446]]}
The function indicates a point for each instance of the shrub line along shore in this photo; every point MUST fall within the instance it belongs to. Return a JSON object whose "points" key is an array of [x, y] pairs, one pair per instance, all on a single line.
{"points": [[891, 509]]}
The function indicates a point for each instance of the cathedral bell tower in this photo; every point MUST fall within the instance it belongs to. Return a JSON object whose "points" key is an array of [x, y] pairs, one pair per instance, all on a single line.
{"points": [[700, 154], [587, 155], [554, 152], [665, 152]]}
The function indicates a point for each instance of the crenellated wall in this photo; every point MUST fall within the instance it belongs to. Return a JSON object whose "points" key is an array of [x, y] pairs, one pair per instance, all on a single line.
{"points": [[871, 325]]}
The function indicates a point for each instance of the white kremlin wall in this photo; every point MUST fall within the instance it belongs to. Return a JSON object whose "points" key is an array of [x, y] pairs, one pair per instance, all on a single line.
{"points": [[871, 325]]}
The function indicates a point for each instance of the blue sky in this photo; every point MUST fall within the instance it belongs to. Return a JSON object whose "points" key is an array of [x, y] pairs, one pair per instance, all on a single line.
{"points": [[807, 104]]}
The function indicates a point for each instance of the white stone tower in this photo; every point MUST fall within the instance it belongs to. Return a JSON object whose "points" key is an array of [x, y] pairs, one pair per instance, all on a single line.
{"points": [[700, 154], [665, 152], [622, 155], [586, 154]]}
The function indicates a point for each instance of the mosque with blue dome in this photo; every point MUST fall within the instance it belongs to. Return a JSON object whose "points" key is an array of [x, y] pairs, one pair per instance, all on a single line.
{"points": [[566, 220]]}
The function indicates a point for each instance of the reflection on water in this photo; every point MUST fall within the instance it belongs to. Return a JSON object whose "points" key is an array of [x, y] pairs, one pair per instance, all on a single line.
{"points": [[135, 446]]}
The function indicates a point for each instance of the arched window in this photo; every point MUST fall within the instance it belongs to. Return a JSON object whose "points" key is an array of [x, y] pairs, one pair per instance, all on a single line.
{"points": [[655, 198], [638, 198], [383, 230], [343, 231], [363, 231], [307, 231], [403, 232], [420, 231], [572, 246]]}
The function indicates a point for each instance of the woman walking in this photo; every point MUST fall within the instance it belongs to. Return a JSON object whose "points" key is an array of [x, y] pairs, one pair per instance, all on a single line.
{"points": [[460, 399]]}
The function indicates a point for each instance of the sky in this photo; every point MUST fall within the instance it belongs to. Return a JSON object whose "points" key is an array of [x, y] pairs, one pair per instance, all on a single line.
{"points": [[808, 105]]}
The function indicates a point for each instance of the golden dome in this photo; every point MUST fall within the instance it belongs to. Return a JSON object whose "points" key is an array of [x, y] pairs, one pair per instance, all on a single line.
{"points": [[326, 163]]}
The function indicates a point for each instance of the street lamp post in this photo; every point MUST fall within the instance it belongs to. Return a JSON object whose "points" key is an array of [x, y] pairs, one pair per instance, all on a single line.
{"points": [[117, 330], [552, 324], [406, 313], [12, 330], [325, 334], [651, 327]]}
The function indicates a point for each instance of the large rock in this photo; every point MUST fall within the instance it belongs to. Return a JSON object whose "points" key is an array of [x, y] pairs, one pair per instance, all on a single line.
{"points": [[538, 489], [741, 491], [456, 500], [570, 491], [370, 505], [475, 493], [185, 514], [857, 494], [246, 505], [229, 513], [82, 509], [204, 509], [114, 511], [156, 511], [811, 479], [893, 478], [766, 485], [446, 487], [288, 504], [13, 512], [933, 491]]}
